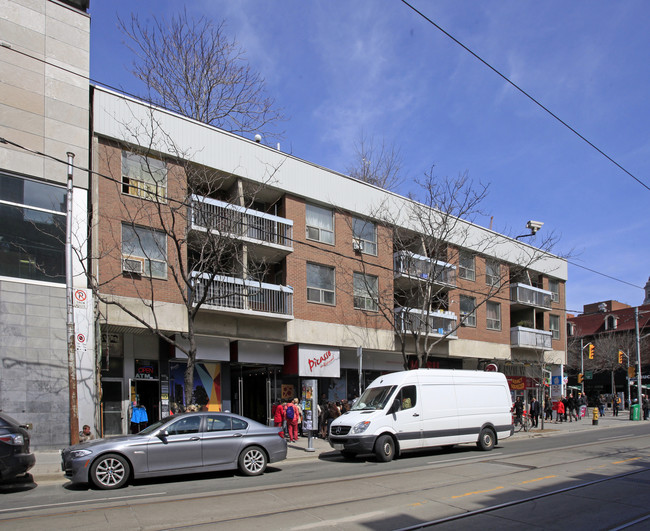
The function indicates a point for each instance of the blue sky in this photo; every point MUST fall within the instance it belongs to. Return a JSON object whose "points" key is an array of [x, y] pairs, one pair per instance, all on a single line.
{"points": [[340, 69]]}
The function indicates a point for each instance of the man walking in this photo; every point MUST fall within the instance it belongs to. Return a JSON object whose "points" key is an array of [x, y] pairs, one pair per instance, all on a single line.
{"points": [[534, 412]]}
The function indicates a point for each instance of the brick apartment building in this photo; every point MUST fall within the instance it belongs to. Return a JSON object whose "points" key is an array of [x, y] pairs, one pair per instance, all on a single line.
{"points": [[307, 271]]}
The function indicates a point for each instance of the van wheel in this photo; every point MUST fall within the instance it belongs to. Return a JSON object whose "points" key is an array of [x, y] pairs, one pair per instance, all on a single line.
{"points": [[486, 439], [348, 455], [385, 448]]}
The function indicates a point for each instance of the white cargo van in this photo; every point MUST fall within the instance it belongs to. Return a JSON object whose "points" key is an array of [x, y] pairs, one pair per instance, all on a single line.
{"points": [[410, 410]]}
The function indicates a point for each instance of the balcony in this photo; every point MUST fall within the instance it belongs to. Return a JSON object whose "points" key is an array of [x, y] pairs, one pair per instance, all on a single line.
{"points": [[410, 267], [248, 297], [525, 296], [269, 236], [438, 322], [523, 337]]}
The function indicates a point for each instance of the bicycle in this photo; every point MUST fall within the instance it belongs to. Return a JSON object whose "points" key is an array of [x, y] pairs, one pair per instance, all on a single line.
{"points": [[523, 423]]}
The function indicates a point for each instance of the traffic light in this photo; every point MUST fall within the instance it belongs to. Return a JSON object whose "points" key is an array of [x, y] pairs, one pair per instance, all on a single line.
{"points": [[631, 372], [620, 356], [580, 377], [591, 351]]}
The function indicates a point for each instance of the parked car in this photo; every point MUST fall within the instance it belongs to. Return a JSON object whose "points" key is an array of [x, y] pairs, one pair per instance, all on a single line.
{"points": [[15, 457], [180, 444]]}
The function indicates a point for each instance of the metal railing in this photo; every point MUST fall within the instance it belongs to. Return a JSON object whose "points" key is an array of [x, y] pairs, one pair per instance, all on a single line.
{"points": [[530, 295], [239, 222], [436, 322], [246, 295], [521, 336], [421, 267]]}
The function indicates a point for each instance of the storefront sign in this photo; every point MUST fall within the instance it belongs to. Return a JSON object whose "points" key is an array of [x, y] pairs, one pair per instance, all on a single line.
{"points": [[313, 361]]}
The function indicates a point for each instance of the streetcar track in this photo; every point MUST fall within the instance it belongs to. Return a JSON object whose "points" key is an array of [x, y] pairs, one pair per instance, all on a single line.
{"points": [[368, 476]]}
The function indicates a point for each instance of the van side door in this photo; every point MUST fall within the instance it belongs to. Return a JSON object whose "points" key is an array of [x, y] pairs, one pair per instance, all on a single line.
{"points": [[407, 417], [439, 413]]}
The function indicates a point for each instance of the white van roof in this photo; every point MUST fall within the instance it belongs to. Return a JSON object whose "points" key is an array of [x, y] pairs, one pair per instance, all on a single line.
{"points": [[401, 377]]}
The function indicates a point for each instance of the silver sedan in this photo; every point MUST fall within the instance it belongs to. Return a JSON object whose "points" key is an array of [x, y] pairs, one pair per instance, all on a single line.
{"points": [[182, 444]]}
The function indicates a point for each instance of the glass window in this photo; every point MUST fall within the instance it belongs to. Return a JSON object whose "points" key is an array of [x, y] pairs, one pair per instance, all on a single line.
{"points": [[365, 234], [554, 288], [32, 229], [191, 424], [320, 224], [239, 424], [143, 176], [218, 423], [407, 397], [366, 292], [492, 273], [554, 323], [149, 245], [466, 268], [320, 284], [468, 310], [493, 310]]}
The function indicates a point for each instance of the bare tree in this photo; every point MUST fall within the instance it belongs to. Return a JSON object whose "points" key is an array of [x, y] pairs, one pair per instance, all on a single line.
{"points": [[169, 235], [191, 66], [376, 163], [436, 252]]}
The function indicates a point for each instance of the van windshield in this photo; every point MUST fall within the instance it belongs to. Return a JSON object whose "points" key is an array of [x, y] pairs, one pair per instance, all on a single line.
{"points": [[374, 398]]}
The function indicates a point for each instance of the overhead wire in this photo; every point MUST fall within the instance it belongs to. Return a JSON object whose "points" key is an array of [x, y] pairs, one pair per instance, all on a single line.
{"points": [[529, 96]]}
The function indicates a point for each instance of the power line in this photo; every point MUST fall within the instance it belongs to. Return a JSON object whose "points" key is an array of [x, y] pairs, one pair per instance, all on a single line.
{"points": [[299, 242], [531, 98]]}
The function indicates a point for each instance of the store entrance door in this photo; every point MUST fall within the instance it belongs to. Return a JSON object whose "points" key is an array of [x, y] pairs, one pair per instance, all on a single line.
{"points": [[254, 392], [148, 393], [111, 407]]}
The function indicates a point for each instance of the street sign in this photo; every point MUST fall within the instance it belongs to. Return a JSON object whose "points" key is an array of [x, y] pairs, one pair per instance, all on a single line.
{"points": [[589, 375]]}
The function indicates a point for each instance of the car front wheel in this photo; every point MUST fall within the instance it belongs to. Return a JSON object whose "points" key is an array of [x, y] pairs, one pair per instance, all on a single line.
{"points": [[110, 471], [252, 461]]}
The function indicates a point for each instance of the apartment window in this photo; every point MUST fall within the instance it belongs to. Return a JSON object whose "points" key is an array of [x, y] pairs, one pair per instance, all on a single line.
{"points": [[466, 266], [146, 246], [32, 229], [320, 224], [320, 284], [492, 273], [493, 310], [611, 322], [554, 288], [554, 323], [144, 176], [366, 291], [365, 235], [468, 310]]}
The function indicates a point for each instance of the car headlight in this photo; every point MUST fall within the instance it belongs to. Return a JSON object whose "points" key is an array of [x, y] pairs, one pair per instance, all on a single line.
{"points": [[79, 453], [361, 427]]}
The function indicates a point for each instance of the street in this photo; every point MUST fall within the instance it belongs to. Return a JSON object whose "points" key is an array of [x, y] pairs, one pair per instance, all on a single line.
{"points": [[603, 476]]}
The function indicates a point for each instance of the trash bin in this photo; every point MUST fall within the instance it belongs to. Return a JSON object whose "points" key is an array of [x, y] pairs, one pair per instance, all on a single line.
{"points": [[635, 412]]}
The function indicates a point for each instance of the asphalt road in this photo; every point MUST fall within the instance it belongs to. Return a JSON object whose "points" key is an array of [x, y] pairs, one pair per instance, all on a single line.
{"points": [[590, 479]]}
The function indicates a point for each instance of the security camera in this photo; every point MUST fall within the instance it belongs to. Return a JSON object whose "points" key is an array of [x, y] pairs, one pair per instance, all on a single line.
{"points": [[534, 226]]}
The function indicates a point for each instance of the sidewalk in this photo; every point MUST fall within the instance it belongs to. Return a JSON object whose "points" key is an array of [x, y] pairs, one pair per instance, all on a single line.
{"points": [[48, 463]]}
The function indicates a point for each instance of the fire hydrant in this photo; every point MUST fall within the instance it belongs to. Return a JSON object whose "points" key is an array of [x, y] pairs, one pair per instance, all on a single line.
{"points": [[594, 421]]}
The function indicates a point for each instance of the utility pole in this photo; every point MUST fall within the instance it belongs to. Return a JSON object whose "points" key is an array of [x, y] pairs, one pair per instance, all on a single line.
{"points": [[72, 354], [638, 355]]}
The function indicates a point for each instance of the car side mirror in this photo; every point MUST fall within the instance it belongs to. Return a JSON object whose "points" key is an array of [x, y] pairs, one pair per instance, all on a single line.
{"points": [[163, 434], [395, 407]]}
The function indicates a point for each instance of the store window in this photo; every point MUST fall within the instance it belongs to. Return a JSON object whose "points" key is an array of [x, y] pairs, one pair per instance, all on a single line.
{"points": [[320, 224], [144, 176], [206, 393], [144, 251], [365, 236], [320, 284], [32, 229]]}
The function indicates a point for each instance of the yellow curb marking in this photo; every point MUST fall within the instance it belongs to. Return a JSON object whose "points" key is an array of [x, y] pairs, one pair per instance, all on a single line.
{"points": [[537, 479], [476, 492], [625, 460], [414, 504]]}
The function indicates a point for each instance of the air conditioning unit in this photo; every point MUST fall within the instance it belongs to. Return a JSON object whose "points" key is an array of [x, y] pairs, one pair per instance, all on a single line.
{"points": [[133, 265], [357, 245]]}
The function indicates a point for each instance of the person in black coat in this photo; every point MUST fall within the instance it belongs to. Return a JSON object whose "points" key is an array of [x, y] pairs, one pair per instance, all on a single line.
{"points": [[535, 412]]}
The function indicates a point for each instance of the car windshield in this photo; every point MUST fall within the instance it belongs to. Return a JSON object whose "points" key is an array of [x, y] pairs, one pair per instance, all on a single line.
{"points": [[374, 398], [155, 426]]}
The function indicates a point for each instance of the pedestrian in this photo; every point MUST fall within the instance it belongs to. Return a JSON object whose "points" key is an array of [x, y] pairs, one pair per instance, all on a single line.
{"points": [[548, 408], [534, 412], [518, 409], [615, 401], [565, 403], [279, 417], [560, 410], [293, 417], [333, 413], [601, 405], [645, 405], [86, 434], [299, 408]]}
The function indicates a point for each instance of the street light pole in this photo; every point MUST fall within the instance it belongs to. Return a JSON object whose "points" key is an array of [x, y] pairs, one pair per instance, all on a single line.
{"points": [[582, 364], [72, 355]]}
